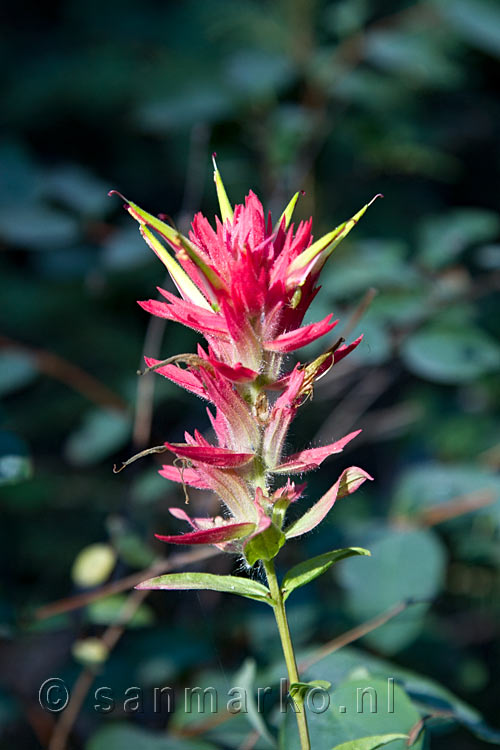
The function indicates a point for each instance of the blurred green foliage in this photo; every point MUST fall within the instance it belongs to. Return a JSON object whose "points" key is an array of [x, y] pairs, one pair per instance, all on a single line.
{"points": [[343, 99]]}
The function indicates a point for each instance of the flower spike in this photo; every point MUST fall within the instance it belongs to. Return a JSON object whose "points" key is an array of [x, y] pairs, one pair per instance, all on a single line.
{"points": [[246, 286]]}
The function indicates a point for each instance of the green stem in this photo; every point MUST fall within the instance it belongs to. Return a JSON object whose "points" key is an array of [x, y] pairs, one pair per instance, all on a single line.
{"points": [[288, 652]]}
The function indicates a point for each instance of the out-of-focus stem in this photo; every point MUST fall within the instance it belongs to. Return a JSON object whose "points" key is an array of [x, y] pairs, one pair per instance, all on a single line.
{"points": [[288, 652]]}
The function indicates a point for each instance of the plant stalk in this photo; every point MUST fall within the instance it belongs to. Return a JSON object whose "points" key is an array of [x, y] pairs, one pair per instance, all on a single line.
{"points": [[288, 652]]}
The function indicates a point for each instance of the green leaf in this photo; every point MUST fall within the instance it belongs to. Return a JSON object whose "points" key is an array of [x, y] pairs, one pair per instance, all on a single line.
{"points": [[264, 545], [302, 688], [444, 237], [450, 355], [426, 692], [208, 581], [404, 565], [307, 571], [370, 743], [357, 709]]}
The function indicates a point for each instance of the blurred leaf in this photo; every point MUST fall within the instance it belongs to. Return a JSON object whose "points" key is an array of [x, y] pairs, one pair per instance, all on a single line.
{"points": [[450, 355], [207, 104], [123, 736], [20, 180], [432, 484], [93, 565], [107, 611], [67, 263], [15, 463], [256, 72], [477, 21], [37, 228], [102, 433], [90, 651], [244, 682], [371, 263], [346, 16], [370, 743], [17, 369], [76, 188], [352, 715], [130, 546], [489, 257], [419, 54], [307, 571], [444, 237], [397, 308], [124, 250], [411, 565]]}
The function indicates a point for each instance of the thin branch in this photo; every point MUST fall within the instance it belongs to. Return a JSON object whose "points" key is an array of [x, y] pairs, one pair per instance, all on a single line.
{"points": [[359, 311], [161, 566], [456, 507], [355, 633], [110, 638], [356, 402], [71, 375]]}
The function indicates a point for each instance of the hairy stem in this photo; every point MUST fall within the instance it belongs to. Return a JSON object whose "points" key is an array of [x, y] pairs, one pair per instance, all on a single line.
{"points": [[288, 652]]}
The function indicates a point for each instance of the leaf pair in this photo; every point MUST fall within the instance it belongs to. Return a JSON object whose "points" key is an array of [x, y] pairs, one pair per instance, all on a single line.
{"points": [[296, 577]]}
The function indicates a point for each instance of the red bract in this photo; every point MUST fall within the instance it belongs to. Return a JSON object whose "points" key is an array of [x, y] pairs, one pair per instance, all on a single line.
{"points": [[246, 285]]}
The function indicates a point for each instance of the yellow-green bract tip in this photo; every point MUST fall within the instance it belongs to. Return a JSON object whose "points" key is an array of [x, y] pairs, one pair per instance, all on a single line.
{"points": [[226, 211], [287, 213]]}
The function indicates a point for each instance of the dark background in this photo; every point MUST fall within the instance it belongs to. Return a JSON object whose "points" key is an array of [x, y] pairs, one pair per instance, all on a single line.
{"points": [[343, 100]]}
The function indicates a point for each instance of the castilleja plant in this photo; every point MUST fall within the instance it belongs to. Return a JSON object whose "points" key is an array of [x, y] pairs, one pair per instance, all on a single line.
{"points": [[246, 286]]}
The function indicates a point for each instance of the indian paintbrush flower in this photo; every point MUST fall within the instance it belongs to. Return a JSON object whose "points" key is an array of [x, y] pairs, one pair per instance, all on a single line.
{"points": [[246, 285]]}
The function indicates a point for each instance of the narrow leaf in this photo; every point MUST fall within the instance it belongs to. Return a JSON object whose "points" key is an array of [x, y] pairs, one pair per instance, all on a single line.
{"points": [[307, 571], [209, 582], [370, 743]]}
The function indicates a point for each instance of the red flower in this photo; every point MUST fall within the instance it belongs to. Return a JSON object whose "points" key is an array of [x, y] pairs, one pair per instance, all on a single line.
{"points": [[246, 285]]}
